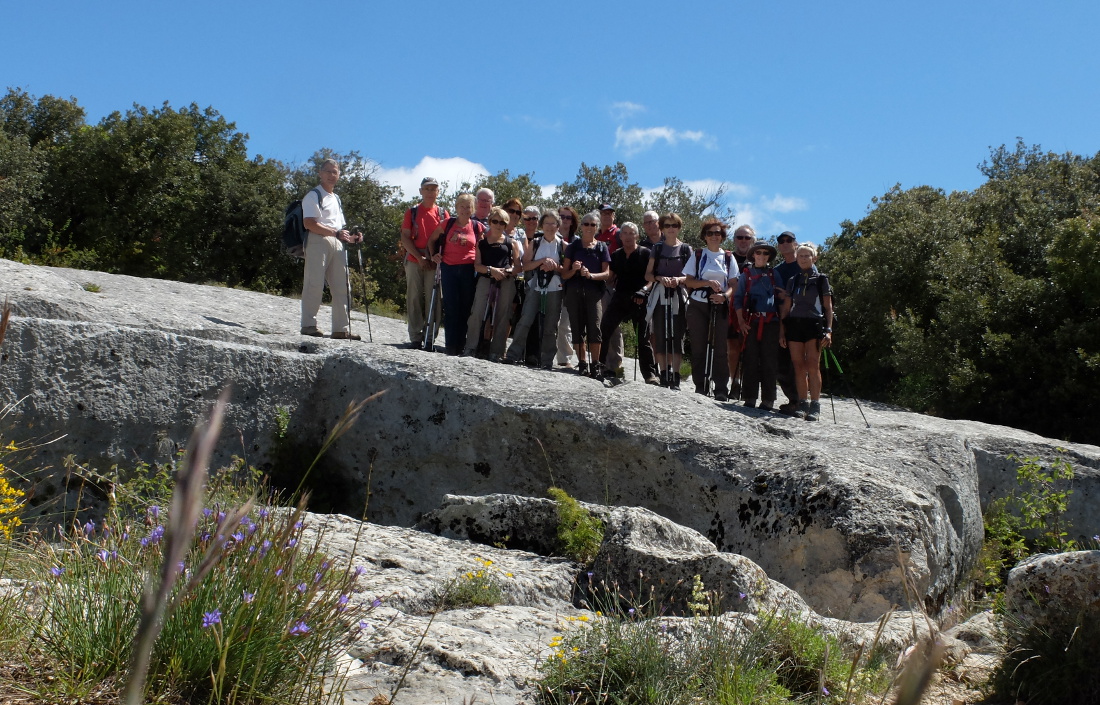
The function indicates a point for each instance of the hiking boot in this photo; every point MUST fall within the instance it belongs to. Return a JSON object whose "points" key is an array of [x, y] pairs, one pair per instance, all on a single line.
{"points": [[803, 409], [582, 369], [766, 405], [313, 331], [674, 385], [815, 411], [652, 379], [493, 358], [345, 335], [598, 371], [749, 403], [720, 396], [790, 408]]}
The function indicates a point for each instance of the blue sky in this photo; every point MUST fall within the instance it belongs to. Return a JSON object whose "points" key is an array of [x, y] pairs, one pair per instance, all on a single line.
{"points": [[806, 110]]}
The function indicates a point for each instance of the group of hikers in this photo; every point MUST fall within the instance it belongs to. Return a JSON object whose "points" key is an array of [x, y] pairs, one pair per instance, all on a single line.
{"points": [[754, 316]]}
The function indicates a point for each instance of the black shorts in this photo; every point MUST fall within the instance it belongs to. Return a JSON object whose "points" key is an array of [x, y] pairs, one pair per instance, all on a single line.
{"points": [[803, 330]]}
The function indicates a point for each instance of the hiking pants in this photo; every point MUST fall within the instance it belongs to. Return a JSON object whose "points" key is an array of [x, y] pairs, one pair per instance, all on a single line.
{"points": [[529, 319], [326, 261], [623, 309], [475, 326], [585, 305], [698, 325], [759, 360], [418, 297], [458, 297]]}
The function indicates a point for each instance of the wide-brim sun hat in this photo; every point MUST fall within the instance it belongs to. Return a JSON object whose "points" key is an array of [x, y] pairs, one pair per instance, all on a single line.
{"points": [[763, 245]]}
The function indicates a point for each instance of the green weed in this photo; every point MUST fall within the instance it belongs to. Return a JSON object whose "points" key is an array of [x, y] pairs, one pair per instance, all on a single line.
{"points": [[579, 533]]}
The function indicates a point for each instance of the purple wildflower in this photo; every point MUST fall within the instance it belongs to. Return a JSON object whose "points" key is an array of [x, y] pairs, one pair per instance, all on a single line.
{"points": [[297, 524], [317, 577], [742, 595], [207, 511], [89, 528], [630, 611], [154, 511], [209, 619], [278, 572], [299, 628], [102, 554], [180, 567], [359, 570], [56, 571], [247, 596], [292, 543], [251, 549], [301, 587], [264, 513], [265, 547], [376, 602], [364, 625], [221, 517], [238, 537], [114, 555], [343, 602], [205, 537], [824, 690]]}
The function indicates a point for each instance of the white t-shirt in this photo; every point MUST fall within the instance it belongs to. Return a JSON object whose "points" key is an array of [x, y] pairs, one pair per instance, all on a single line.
{"points": [[544, 249], [713, 269], [327, 212]]}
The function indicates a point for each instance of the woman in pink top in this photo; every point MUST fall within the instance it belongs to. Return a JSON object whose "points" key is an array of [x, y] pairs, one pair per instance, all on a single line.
{"points": [[454, 243]]}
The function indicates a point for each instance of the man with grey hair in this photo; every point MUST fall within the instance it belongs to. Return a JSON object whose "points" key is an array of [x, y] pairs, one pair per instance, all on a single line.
{"points": [[651, 223], [743, 238], [326, 258], [483, 203], [420, 222]]}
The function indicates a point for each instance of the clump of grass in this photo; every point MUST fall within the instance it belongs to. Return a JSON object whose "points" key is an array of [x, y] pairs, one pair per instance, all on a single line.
{"points": [[481, 587], [93, 288], [772, 658], [579, 533]]}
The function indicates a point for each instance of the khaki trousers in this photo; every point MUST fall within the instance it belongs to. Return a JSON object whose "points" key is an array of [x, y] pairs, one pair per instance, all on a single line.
{"points": [[418, 296], [326, 261]]}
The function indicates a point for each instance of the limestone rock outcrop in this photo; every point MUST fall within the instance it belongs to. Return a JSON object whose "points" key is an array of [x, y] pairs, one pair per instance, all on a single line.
{"points": [[835, 512]]}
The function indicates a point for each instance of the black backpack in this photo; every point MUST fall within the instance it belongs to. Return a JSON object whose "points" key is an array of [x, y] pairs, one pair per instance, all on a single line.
{"points": [[479, 230], [294, 225]]}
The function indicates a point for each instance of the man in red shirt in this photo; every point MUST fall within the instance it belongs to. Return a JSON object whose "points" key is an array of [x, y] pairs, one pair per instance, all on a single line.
{"points": [[609, 232], [419, 268]]}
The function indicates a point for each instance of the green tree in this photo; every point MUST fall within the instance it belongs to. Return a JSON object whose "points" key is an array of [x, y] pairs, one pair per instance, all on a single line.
{"points": [[504, 187], [690, 205], [978, 304], [609, 184]]}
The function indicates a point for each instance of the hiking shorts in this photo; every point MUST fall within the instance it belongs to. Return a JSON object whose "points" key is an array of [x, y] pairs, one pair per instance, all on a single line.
{"points": [[803, 330]]}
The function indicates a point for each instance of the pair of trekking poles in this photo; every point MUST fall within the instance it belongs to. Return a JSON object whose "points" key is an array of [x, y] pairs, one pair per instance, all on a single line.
{"points": [[358, 230]]}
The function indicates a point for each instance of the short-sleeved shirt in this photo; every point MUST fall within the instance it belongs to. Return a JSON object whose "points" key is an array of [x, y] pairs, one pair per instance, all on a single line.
{"points": [[427, 220], [670, 261], [806, 289], [327, 211], [461, 241], [611, 237], [712, 268], [629, 270], [591, 257], [543, 249], [758, 283]]}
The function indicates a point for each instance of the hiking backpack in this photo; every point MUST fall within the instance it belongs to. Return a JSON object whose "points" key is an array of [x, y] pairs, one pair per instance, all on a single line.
{"points": [[402, 254], [294, 224], [479, 230]]}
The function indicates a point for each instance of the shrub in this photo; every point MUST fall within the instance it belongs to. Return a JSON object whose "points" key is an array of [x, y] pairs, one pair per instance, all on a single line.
{"points": [[579, 533], [480, 587], [266, 624]]}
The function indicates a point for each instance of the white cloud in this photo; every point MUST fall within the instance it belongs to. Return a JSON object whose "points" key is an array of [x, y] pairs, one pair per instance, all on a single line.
{"points": [[784, 204], [548, 190], [637, 139], [624, 109], [452, 170]]}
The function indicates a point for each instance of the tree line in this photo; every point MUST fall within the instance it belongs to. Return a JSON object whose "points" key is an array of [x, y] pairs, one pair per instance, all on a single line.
{"points": [[975, 304]]}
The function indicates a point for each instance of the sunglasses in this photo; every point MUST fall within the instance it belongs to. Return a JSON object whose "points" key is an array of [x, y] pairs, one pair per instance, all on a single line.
{"points": [[494, 221], [784, 240], [743, 237], [758, 253], [588, 225], [531, 218], [715, 232], [514, 211], [674, 226], [565, 216]]}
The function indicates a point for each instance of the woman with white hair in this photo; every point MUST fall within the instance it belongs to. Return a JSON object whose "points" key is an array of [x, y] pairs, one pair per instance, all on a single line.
{"points": [[809, 327]]}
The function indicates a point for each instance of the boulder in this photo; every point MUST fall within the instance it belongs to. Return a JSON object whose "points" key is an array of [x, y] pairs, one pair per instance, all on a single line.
{"points": [[1050, 590], [837, 512]]}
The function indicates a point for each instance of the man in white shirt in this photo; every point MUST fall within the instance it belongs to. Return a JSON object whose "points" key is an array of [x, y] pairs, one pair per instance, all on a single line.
{"points": [[326, 259]]}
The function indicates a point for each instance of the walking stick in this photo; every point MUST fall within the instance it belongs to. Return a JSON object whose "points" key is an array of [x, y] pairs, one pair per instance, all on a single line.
{"points": [[668, 339], [431, 326], [708, 365], [832, 403], [637, 347], [366, 303], [489, 316], [829, 353]]}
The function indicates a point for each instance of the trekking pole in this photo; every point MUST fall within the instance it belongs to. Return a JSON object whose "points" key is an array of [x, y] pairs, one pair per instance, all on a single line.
{"points": [[708, 364], [637, 348], [366, 303], [668, 339], [433, 313], [829, 352], [832, 402], [488, 318]]}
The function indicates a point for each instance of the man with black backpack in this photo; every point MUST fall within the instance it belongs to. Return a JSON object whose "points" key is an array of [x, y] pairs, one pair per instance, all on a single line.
{"points": [[419, 223], [326, 258]]}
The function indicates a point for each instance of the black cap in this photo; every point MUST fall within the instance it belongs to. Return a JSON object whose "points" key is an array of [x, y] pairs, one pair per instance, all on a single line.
{"points": [[606, 207]]}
